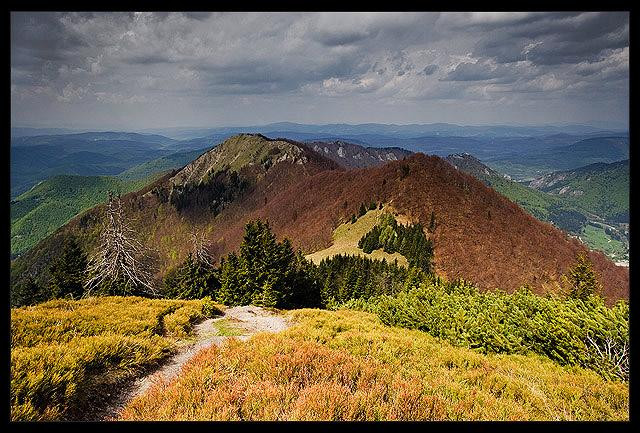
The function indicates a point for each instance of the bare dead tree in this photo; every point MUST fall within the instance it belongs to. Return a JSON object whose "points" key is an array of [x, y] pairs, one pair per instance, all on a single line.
{"points": [[614, 353], [199, 250], [120, 255]]}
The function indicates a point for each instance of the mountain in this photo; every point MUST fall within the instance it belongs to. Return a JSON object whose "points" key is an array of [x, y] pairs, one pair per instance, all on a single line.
{"points": [[479, 235], [351, 155], [530, 165], [397, 131], [34, 159], [26, 131], [54, 201], [62, 139], [591, 202], [601, 188], [159, 165], [50, 204]]}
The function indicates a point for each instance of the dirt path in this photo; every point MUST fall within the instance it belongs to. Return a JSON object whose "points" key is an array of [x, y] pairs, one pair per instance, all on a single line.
{"points": [[243, 321]]}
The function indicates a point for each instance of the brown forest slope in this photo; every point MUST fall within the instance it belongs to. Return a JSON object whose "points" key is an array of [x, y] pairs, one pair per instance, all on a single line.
{"points": [[480, 235]]}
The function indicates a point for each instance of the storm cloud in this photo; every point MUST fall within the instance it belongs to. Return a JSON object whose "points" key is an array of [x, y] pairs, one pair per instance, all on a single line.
{"points": [[143, 70]]}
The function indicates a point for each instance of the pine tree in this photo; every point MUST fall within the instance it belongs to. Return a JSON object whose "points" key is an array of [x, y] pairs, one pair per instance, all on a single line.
{"points": [[359, 287], [230, 292], [67, 270], [28, 292], [363, 210], [583, 280], [269, 296]]}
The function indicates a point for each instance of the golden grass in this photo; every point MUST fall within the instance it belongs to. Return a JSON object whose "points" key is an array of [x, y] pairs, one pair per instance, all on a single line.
{"points": [[346, 365], [63, 351], [347, 235]]}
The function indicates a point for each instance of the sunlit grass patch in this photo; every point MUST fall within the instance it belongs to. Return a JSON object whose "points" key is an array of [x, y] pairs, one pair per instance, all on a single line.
{"points": [[347, 235], [347, 365], [63, 351], [228, 328]]}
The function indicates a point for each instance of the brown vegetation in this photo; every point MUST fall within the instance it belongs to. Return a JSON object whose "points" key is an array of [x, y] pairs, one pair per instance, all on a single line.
{"points": [[480, 235]]}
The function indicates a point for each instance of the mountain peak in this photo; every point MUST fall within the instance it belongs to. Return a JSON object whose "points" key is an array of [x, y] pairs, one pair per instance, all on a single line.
{"points": [[239, 152]]}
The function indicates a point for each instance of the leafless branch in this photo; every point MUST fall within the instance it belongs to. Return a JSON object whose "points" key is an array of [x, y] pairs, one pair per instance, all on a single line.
{"points": [[120, 255], [199, 249]]}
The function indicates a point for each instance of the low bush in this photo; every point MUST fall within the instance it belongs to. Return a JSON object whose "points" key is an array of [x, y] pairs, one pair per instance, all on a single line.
{"points": [[569, 331]]}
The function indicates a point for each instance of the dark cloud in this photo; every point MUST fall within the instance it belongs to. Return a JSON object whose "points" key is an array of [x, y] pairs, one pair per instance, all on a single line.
{"points": [[101, 62], [200, 16], [344, 37], [430, 69], [556, 39], [470, 72]]}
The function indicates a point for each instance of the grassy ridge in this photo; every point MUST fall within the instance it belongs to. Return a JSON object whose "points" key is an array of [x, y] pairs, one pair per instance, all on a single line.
{"points": [[160, 165], [346, 365], [49, 205], [63, 352]]}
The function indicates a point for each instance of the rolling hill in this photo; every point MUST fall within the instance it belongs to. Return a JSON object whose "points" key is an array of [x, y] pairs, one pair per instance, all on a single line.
{"points": [[38, 212], [43, 209], [600, 188], [36, 158], [533, 164], [480, 235]]}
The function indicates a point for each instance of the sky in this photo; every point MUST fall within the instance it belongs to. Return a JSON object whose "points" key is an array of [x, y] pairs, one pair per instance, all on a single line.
{"points": [[132, 71]]}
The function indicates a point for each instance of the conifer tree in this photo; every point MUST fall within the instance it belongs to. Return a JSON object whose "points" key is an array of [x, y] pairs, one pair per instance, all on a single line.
{"points": [[582, 277], [269, 295], [28, 292], [67, 270], [230, 292], [362, 210]]}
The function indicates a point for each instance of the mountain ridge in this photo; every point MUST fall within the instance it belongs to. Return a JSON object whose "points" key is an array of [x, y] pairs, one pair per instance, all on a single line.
{"points": [[480, 235]]}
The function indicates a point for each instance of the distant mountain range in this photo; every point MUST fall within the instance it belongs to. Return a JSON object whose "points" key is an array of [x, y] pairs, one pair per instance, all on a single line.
{"points": [[531, 164], [412, 130], [36, 158]]}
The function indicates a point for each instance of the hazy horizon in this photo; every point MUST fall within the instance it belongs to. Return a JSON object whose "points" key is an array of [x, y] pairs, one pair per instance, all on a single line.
{"points": [[137, 71]]}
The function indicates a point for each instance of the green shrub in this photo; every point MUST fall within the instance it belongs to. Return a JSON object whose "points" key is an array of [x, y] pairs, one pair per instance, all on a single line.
{"points": [[569, 331]]}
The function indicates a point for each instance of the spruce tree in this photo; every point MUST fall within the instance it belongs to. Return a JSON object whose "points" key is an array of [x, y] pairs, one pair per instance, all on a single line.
{"points": [[67, 270], [28, 292], [362, 210], [582, 277]]}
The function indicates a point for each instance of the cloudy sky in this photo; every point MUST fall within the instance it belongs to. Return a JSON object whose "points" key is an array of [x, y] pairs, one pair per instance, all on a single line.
{"points": [[146, 70]]}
